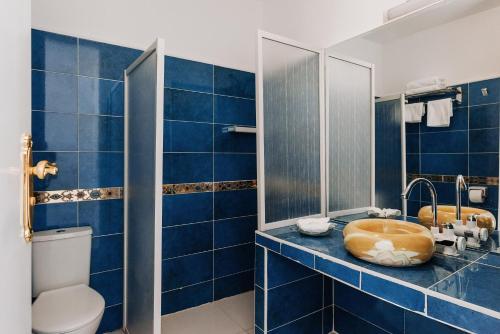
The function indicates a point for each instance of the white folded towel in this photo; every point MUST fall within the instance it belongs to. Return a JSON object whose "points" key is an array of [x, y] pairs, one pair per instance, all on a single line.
{"points": [[314, 225], [426, 82], [414, 112], [424, 89], [384, 213], [439, 112]]}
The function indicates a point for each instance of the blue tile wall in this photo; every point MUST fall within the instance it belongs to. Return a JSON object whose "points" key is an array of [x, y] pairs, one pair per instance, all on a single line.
{"points": [[469, 146], [200, 100], [77, 121]]}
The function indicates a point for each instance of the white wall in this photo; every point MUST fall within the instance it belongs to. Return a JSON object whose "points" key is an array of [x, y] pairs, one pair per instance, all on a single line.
{"points": [[222, 32]]}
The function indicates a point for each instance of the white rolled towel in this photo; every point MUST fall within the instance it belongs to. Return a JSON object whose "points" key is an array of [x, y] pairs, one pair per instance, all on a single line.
{"points": [[426, 82], [314, 225]]}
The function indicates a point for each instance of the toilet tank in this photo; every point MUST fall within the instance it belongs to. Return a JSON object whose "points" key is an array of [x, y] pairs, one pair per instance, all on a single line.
{"points": [[61, 258]]}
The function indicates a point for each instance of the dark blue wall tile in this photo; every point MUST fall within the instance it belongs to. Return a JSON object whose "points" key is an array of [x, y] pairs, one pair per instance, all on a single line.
{"points": [[107, 253], [311, 324], [327, 291], [259, 307], [348, 323], [100, 133], [54, 216], [233, 260], [230, 232], [100, 97], [187, 137], [188, 74], [54, 131], [228, 204], [110, 285], [259, 266], [53, 92], [187, 167], [412, 143], [66, 178], [232, 166], [444, 142], [180, 299], [486, 116], [305, 295], [328, 320], [187, 239], [105, 217], [418, 324], [112, 319], [413, 163], [483, 164], [412, 127], [476, 97], [188, 106], [298, 255], [233, 142], [447, 164], [371, 309], [186, 270], [281, 270], [445, 194], [53, 52], [268, 243], [187, 208], [459, 121], [337, 271], [231, 110], [232, 82], [413, 207], [233, 285], [101, 169], [103, 60], [396, 293], [485, 140]]}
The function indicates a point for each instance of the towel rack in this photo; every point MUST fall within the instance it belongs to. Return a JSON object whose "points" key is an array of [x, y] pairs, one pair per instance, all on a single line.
{"points": [[445, 91], [239, 129]]}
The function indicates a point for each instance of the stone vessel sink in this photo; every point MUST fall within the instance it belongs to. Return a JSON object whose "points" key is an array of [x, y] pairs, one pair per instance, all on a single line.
{"points": [[389, 242], [446, 214]]}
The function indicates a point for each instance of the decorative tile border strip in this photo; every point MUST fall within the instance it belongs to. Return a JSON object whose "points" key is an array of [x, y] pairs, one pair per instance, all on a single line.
{"points": [[96, 194], [476, 180]]}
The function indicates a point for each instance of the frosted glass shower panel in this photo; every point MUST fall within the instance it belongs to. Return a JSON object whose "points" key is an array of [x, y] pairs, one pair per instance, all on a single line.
{"points": [[291, 109], [349, 135]]}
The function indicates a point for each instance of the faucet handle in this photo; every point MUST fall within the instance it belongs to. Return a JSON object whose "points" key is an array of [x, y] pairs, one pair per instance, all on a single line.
{"points": [[43, 167]]}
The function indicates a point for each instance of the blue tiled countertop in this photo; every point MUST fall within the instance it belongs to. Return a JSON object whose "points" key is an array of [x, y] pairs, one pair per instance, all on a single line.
{"points": [[463, 291]]}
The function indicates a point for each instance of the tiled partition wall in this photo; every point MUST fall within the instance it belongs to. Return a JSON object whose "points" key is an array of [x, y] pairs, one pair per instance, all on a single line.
{"points": [[209, 176], [469, 146], [318, 304]]}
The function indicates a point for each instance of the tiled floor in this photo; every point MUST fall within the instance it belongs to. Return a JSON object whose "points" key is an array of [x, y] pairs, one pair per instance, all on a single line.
{"points": [[233, 315]]}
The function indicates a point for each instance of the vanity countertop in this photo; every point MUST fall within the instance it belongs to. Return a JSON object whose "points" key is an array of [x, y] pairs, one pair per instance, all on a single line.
{"points": [[463, 291]]}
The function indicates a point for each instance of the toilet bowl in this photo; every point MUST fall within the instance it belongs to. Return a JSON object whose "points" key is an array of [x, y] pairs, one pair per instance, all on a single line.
{"points": [[73, 310], [64, 304]]}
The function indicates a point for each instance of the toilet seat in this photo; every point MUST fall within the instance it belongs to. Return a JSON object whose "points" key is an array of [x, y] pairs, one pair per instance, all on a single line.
{"points": [[66, 310]]}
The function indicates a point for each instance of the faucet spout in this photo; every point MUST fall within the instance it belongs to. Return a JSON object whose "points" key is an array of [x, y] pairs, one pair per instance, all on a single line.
{"points": [[459, 186], [432, 190]]}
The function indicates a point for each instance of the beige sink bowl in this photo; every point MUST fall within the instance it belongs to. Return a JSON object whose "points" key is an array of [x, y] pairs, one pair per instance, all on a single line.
{"points": [[389, 242], [446, 214]]}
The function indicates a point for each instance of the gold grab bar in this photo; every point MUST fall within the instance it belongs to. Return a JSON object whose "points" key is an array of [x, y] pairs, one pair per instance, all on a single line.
{"points": [[41, 170]]}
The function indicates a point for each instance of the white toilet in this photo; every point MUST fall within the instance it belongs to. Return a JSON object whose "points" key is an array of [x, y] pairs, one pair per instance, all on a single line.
{"points": [[61, 271]]}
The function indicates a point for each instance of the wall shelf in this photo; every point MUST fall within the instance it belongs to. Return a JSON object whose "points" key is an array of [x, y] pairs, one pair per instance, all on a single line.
{"points": [[239, 129]]}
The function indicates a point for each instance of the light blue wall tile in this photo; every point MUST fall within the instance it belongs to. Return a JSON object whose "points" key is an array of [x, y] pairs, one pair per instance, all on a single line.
{"points": [[102, 169], [232, 260], [53, 92], [188, 106], [187, 167], [187, 239], [187, 137], [188, 74], [237, 203], [234, 231], [54, 216], [54, 131], [105, 217], [186, 270], [107, 253], [233, 167], [232, 82], [110, 285], [67, 178], [233, 285], [100, 133], [53, 52], [100, 97], [187, 208], [187, 297], [231, 110], [106, 61]]}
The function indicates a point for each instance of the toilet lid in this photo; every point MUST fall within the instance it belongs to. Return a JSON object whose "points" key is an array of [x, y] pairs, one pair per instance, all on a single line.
{"points": [[67, 309]]}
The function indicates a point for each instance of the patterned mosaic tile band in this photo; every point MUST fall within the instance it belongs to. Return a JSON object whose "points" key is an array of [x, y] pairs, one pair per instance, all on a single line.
{"points": [[95, 194], [477, 180]]}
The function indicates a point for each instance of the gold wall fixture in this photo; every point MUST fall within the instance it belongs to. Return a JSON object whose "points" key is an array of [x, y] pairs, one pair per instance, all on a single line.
{"points": [[41, 170]]}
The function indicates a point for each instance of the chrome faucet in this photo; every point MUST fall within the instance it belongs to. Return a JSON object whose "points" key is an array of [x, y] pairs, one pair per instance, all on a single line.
{"points": [[406, 194], [459, 186]]}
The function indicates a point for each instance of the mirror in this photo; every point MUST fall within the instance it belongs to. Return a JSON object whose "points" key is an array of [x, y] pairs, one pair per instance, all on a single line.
{"points": [[454, 45]]}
